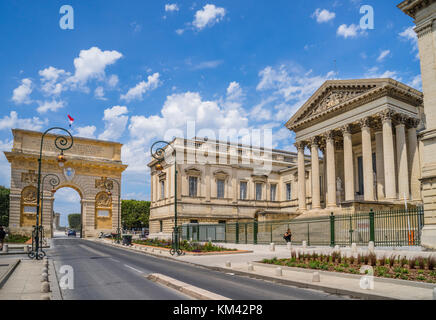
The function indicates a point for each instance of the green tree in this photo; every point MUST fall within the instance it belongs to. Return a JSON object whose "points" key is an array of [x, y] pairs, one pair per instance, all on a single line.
{"points": [[75, 220], [4, 206], [135, 214]]}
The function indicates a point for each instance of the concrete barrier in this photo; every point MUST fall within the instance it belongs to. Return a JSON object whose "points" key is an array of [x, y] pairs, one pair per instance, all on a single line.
{"points": [[5, 248], [316, 277], [279, 272], [45, 287], [228, 264], [272, 247]]}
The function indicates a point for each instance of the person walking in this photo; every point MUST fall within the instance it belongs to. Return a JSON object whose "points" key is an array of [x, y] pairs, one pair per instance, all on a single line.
{"points": [[288, 236], [2, 237]]}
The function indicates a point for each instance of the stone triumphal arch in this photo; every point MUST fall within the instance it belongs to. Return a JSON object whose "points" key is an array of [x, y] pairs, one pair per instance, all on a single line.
{"points": [[90, 165]]}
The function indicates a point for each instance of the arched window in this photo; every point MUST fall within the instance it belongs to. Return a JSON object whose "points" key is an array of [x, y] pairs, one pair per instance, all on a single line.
{"points": [[28, 206], [103, 211]]}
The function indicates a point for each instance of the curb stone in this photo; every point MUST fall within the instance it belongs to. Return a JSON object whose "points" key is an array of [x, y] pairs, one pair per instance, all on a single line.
{"points": [[8, 272], [54, 282]]}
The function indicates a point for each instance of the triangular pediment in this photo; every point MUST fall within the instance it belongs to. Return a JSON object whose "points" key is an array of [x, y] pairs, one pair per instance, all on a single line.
{"points": [[333, 95]]}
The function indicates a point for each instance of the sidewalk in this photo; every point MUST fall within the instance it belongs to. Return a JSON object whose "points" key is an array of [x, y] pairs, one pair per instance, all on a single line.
{"points": [[24, 283], [331, 282]]}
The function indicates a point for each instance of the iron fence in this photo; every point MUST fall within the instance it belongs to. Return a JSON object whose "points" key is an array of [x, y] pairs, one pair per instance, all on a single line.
{"points": [[385, 228]]}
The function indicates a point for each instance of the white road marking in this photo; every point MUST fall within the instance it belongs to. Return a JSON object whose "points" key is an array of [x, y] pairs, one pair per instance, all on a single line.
{"points": [[127, 266], [93, 251], [115, 260]]}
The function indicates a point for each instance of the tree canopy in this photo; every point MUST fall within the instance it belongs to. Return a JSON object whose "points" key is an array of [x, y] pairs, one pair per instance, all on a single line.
{"points": [[134, 213], [75, 221], [4, 206]]}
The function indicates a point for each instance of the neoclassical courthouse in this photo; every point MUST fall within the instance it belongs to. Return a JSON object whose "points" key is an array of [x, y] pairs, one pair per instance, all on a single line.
{"points": [[361, 144]]}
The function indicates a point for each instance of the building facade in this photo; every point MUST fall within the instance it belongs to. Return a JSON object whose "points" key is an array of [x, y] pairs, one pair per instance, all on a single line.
{"points": [[223, 182], [424, 14], [366, 131]]}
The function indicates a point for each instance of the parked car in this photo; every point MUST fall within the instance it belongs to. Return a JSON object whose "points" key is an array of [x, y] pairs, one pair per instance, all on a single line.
{"points": [[71, 233]]}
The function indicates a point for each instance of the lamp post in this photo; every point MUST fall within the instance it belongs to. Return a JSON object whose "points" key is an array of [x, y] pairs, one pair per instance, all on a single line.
{"points": [[109, 186], [158, 153], [54, 181], [61, 143]]}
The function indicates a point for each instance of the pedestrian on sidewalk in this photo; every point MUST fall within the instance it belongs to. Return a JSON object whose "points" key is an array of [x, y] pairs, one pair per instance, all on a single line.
{"points": [[288, 236], [2, 237]]}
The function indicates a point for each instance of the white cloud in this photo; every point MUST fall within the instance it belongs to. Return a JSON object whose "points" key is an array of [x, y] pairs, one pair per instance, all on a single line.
{"points": [[171, 7], [416, 82], [22, 93], [350, 31], [5, 169], [113, 81], [208, 65], [91, 64], [50, 106], [292, 85], [99, 93], [177, 110], [13, 121], [49, 79], [141, 88], [376, 73], [115, 120], [383, 55], [208, 16], [323, 15], [234, 91], [180, 31], [86, 132], [410, 35]]}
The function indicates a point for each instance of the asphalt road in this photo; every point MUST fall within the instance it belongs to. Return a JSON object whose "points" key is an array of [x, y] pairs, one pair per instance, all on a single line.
{"points": [[102, 272]]}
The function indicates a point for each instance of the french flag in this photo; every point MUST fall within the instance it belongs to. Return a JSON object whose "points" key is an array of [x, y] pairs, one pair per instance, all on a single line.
{"points": [[71, 120]]}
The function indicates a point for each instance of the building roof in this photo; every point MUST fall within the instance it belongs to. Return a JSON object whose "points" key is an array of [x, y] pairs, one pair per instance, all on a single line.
{"points": [[411, 7], [339, 95]]}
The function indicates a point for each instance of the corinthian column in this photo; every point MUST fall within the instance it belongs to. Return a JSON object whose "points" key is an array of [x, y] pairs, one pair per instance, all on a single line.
{"points": [[388, 153], [301, 177], [380, 165], [331, 171], [348, 164], [316, 192], [368, 169], [403, 167], [414, 161]]}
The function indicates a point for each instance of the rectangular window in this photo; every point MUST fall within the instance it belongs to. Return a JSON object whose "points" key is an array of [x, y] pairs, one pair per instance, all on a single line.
{"points": [[288, 192], [162, 190], [243, 190], [220, 189], [273, 192], [160, 226], [259, 191], [193, 186], [29, 209], [103, 213], [193, 221], [361, 191]]}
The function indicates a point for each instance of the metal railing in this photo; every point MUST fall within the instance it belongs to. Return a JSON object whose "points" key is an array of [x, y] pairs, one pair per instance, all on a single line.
{"points": [[385, 228]]}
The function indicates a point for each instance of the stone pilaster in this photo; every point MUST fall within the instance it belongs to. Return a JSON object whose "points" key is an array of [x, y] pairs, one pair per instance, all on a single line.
{"points": [[331, 171], [368, 170], [301, 177], [424, 14], [414, 160], [403, 168], [348, 164], [316, 192]]}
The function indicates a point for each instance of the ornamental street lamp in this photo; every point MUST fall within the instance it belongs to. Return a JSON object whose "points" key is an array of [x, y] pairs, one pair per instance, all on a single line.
{"points": [[158, 152], [61, 143], [53, 181], [109, 186]]}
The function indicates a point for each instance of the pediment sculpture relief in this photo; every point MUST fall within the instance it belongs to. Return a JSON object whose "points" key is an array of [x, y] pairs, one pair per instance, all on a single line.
{"points": [[29, 195], [333, 99], [103, 200], [29, 177]]}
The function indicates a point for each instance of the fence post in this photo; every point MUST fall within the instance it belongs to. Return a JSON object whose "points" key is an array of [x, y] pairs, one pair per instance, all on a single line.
{"points": [[246, 232], [237, 232], [255, 230], [371, 226], [332, 230], [308, 233], [271, 231], [198, 233]]}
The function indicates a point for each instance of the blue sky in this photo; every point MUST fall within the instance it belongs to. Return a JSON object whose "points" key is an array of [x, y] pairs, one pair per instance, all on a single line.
{"points": [[130, 71]]}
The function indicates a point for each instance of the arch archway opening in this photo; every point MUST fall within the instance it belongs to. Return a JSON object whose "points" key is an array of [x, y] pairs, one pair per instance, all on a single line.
{"points": [[67, 201]]}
